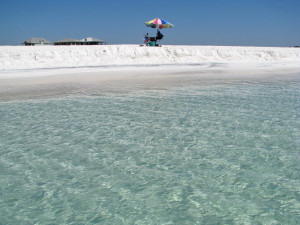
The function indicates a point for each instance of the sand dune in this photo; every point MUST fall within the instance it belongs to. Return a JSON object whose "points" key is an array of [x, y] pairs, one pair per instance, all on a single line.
{"points": [[16, 58]]}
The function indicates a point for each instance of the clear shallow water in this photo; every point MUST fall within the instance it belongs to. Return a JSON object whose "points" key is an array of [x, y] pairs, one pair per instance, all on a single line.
{"points": [[221, 153]]}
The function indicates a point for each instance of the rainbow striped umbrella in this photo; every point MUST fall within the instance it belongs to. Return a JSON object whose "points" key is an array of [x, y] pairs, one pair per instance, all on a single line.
{"points": [[159, 23]]}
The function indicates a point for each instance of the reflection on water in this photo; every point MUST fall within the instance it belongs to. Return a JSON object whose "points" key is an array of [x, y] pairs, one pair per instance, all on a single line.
{"points": [[199, 151]]}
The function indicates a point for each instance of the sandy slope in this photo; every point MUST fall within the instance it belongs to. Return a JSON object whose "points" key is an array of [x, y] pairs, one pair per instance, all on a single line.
{"points": [[14, 58]]}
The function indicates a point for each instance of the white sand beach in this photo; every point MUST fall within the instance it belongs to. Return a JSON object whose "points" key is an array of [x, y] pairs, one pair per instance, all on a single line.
{"points": [[59, 70]]}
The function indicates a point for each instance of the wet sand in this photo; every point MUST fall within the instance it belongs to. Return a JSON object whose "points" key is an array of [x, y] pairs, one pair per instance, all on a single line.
{"points": [[37, 84]]}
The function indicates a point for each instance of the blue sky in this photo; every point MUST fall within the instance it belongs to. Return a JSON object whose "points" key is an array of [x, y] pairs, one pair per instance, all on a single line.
{"points": [[197, 22]]}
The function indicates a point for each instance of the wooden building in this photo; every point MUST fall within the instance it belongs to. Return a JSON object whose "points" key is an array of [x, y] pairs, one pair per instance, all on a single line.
{"points": [[92, 41], [36, 41], [85, 41], [67, 41]]}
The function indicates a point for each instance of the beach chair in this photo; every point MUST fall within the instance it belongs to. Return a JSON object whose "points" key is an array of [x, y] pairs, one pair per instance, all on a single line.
{"points": [[153, 41]]}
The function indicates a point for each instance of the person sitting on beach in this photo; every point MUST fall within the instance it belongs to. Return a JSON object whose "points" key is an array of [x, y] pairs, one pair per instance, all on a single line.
{"points": [[146, 39]]}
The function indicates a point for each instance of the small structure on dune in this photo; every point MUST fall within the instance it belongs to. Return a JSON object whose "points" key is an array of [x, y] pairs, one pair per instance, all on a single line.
{"points": [[92, 41], [85, 41], [67, 41], [36, 41]]}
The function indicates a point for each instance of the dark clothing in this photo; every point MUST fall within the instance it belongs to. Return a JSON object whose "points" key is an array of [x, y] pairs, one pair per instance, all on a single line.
{"points": [[159, 35]]}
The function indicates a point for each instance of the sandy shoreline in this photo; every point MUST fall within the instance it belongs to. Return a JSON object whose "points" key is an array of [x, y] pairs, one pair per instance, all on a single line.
{"points": [[120, 80], [37, 72]]}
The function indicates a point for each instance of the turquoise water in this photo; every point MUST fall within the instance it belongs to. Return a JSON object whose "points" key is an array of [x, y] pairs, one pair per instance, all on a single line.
{"points": [[220, 153]]}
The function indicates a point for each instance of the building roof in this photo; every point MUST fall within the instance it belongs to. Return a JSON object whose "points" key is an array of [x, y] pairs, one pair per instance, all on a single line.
{"points": [[37, 41], [66, 40], [90, 39]]}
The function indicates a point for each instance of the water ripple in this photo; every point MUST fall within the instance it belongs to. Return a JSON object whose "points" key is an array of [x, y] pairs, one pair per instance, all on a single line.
{"points": [[219, 154]]}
